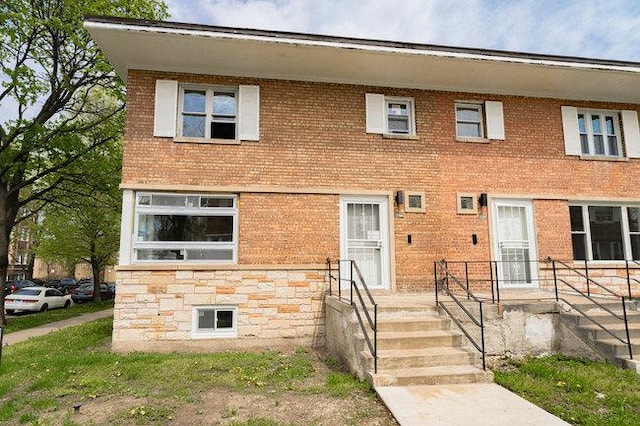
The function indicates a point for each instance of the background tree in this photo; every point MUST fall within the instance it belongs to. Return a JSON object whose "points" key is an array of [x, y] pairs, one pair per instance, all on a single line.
{"points": [[82, 221], [50, 71]]}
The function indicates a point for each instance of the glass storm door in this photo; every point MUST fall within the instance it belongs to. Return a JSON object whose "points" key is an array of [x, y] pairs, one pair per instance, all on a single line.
{"points": [[515, 243], [364, 237]]}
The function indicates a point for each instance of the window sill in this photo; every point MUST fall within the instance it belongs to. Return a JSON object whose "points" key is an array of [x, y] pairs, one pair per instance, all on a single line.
{"points": [[214, 335], [602, 158], [400, 136], [472, 140], [207, 141]]}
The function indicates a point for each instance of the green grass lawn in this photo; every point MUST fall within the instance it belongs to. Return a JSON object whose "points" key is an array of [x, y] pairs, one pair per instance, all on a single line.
{"points": [[580, 391], [43, 378], [30, 320]]}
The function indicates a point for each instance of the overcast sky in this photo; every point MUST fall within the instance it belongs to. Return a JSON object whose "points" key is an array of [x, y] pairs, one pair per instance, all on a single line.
{"points": [[605, 29]]}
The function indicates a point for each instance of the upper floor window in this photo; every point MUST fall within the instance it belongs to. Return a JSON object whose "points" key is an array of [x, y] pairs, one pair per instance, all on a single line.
{"points": [[207, 113], [599, 133], [390, 115], [185, 227], [199, 113], [469, 121], [399, 116], [479, 121]]}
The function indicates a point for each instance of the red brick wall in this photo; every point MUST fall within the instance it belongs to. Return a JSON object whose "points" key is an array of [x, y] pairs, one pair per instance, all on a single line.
{"points": [[288, 228], [312, 135]]}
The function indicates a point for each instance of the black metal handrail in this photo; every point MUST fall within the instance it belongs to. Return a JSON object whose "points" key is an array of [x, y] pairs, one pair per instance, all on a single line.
{"points": [[588, 296], [443, 284], [354, 287]]}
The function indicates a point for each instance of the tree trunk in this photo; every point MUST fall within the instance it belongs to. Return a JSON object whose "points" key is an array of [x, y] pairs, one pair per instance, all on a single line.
{"points": [[8, 212], [95, 269]]}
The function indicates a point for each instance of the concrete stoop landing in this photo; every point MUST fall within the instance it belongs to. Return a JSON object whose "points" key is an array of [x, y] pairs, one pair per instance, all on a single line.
{"points": [[602, 342], [417, 346]]}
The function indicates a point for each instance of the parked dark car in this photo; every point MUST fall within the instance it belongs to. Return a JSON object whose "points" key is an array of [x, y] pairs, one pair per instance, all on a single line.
{"points": [[84, 281], [53, 284], [84, 293], [67, 285], [15, 285]]}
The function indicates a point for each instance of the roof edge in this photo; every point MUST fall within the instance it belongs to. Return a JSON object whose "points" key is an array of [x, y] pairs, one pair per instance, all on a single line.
{"points": [[359, 41]]}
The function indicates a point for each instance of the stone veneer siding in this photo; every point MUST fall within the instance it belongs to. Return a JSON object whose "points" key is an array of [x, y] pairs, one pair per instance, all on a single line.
{"points": [[154, 308]]}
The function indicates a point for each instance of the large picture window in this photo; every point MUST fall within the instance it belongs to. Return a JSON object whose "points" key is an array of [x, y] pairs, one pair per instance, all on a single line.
{"points": [[605, 232], [185, 227]]}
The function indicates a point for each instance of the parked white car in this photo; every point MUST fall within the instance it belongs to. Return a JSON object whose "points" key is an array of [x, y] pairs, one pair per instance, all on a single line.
{"points": [[36, 299]]}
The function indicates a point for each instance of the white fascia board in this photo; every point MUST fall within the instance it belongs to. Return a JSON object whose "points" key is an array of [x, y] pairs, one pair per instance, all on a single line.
{"points": [[358, 46]]}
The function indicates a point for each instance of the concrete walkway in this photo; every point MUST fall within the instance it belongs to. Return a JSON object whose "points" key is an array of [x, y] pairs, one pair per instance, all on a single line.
{"points": [[473, 404], [19, 336]]}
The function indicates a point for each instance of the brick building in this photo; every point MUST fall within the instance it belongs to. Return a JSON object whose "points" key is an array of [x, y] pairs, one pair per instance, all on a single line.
{"points": [[250, 157]]}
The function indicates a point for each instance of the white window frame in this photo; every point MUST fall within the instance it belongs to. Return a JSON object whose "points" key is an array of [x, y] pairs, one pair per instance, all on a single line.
{"points": [[209, 115], [409, 102], [185, 245], [624, 223], [589, 135], [198, 333], [421, 208], [480, 122], [474, 204]]}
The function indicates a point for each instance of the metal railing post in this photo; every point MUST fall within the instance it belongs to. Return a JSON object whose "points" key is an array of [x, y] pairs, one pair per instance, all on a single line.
{"points": [[339, 279], [330, 274], [586, 273], [351, 282], [484, 362], [628, 278], [555, 278], [493, 297], [466, 276], [626, 327], [375, 338], [495, 262], [435, 279]]}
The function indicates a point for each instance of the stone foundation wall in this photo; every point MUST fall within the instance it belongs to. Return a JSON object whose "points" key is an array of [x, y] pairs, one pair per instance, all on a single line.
{"points": [[154, 309]]}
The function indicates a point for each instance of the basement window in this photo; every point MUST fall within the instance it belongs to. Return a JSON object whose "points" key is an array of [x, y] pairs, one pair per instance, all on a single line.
{"points": [[215, 321]]}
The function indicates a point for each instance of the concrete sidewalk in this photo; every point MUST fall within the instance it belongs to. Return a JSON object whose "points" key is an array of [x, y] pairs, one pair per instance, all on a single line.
{"points": [[473, 404], [19, 336]]}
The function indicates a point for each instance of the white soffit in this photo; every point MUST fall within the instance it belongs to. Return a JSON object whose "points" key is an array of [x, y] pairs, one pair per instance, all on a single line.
{"points": [[337, 60]]}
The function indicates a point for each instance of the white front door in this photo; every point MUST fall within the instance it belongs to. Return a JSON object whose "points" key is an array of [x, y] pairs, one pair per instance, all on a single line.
{"points": [[364, 223], [514, 238]]}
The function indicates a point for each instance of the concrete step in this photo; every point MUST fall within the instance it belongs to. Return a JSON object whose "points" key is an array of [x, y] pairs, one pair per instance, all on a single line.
{"points": [[447, 374], [601, 316], [389, 311], [417, 339], [612, 348], [413, 324], [618, 329], [422, 357]]}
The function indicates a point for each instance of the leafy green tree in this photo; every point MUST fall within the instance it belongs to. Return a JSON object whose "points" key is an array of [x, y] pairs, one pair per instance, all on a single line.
{"points": [[52, 76], [82, 221]]}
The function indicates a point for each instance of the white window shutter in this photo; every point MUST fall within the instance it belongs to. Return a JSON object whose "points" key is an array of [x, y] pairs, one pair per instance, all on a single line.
{"points": [[495, 120], [631, 133], [570, 128], [375, 113], [249, 113], [165, 111]]}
